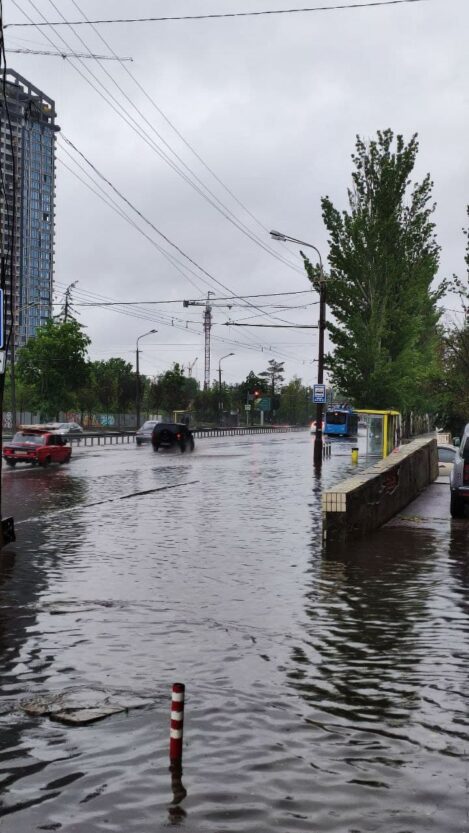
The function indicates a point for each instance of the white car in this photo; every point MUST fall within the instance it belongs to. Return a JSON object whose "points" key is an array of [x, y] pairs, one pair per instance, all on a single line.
{"points": [[459, 478], [66, 427], [446, 459], [143, 435]]}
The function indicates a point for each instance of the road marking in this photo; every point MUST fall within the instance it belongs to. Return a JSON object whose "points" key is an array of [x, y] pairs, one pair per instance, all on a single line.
{"points": [[108, 500]]}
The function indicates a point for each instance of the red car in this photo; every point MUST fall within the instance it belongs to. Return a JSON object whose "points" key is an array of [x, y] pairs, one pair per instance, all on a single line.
{"points": [[40, 447]]}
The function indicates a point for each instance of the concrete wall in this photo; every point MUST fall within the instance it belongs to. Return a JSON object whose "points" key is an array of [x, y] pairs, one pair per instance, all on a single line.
{"points": [[366, 501]]}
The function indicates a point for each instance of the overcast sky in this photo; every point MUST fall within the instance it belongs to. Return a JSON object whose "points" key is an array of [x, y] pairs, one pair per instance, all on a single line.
{"points": [[272, 105]]}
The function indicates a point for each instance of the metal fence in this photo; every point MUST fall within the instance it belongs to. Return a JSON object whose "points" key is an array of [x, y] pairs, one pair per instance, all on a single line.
{"points": [[116, 437]]}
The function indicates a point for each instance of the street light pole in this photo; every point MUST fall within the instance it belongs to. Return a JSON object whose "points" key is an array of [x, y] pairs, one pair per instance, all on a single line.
{"points": [[137, 370], [220, 403], [318, 440]]}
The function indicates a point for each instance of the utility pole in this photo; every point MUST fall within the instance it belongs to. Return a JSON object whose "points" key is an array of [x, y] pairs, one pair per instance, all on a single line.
{"points": [[137, 373], [319, 407], [220, 401], [207, 331]]}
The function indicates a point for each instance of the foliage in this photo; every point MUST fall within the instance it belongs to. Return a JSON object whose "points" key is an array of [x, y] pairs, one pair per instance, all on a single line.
{"points": [[250, 384], [453, 384], [295, 403], [383, 258], [114, 385], [173, 391], [273, 375], [53, 366]]}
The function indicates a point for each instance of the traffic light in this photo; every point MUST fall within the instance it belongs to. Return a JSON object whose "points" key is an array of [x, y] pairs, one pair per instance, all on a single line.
{"points": [[256, 394]]}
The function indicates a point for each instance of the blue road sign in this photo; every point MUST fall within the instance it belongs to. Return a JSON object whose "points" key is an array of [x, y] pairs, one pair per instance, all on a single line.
{"points": [[319, 394], [1, 321]]}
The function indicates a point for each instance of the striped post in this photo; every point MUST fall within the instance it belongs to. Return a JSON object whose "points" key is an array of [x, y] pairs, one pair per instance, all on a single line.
{"points": [[177, 722]]}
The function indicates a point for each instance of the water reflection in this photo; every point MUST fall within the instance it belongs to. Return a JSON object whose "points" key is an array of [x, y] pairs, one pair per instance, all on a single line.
{"points": [[365, 609], [176, 813], [458, 557]]}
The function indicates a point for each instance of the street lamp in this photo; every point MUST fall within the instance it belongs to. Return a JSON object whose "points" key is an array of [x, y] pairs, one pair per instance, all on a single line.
{"points": [[285, 238], [137, 368], [220, 403]]}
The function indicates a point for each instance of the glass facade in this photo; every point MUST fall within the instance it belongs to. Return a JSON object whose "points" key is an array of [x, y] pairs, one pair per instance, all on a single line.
{"points": [[32, 115], [37, 253]]}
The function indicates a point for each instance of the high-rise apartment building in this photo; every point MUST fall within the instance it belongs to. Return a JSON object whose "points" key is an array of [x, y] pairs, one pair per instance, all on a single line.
{"points": [[31, 141]]}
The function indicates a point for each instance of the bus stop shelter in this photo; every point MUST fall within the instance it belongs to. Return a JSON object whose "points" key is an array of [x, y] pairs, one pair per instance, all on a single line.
{"points": [[383, 431]]}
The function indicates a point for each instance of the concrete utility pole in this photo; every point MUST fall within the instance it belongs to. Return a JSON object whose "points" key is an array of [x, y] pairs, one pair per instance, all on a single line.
{"points": [[318, 443], [137, 373]]}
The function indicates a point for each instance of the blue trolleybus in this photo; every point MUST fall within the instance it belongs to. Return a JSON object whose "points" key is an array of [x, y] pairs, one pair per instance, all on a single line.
{"points": [[341, 421]]}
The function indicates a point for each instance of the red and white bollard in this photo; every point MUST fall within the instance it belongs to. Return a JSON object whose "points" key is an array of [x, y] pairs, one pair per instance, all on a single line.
{"points": [[177, 722]]}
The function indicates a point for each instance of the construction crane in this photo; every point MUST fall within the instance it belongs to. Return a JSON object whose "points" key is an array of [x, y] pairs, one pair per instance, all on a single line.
{"points": [[190, 367], [207, 319], [65, 55], [207, 330]]}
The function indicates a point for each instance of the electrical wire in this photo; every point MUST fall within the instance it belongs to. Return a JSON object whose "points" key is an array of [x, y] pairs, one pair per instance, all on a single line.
{"points": [[221, 298], [226, 15], [172, 126], [173, 321], [157, 230], [127, 117], [112, 204], [211, 277]]}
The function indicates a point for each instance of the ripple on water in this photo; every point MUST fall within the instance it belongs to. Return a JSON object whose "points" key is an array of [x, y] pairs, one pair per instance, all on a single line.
{"points": [[323, 693]]}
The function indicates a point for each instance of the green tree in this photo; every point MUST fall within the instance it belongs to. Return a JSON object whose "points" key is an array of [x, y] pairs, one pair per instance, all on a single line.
{"points": [[251, 383], [452, 386], [206, 405], [53, 366], [383, 258], [295, 403], [173, 391], [273, 375], [114, 383]]}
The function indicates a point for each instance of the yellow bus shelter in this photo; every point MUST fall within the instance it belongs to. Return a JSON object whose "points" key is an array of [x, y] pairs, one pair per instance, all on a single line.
{"points": [[383, 430]]}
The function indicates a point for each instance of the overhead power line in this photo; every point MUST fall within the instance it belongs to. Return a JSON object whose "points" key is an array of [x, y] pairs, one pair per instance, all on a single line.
{"points": [[223, 15], [274, 326], [201, 270], [188, 175], [65, 55], [181, 300], [173, 127]]}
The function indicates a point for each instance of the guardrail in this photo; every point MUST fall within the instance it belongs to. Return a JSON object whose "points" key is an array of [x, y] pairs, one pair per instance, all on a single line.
{"points": [[257, 429], [116, 437], [101, 439]]}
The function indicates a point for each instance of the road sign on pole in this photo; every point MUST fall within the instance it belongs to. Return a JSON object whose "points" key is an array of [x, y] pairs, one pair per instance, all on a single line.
{"points": [[263, 404], [247, 407], [319, 394]]}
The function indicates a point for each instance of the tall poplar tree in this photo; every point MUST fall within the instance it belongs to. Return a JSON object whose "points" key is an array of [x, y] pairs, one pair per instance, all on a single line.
{"points": [[383, 258]]}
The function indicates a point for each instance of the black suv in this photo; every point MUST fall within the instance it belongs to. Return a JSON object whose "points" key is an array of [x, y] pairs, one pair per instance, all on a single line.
{"points": [[170, 435]]}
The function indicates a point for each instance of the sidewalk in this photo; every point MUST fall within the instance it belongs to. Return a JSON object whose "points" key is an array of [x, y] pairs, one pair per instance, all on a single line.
{"points": [[429, 511]]}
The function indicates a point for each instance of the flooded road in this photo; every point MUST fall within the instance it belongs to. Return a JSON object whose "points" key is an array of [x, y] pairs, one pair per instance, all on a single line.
{"points": [[323, 694]]}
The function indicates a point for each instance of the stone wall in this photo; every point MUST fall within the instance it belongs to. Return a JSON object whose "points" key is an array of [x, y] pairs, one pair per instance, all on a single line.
{"points": [[357, 506]]}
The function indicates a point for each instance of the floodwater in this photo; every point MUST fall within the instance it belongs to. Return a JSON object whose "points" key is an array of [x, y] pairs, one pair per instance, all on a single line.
{"points": [[324, 693]]}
